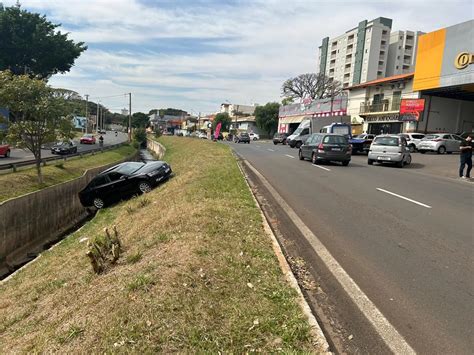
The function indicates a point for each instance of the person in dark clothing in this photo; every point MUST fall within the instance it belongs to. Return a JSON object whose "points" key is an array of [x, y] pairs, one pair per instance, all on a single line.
{"points": [[466, 158]]}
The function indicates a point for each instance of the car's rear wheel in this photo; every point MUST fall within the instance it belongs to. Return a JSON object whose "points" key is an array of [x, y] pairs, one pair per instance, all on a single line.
{"points": [[408, 161], [422, 151], [441, 150], [275, 143], [345, 163], [298, 145], [412, 148], [370, 162], [144, 187], [314, 159], [98, 203], [300, 155]]}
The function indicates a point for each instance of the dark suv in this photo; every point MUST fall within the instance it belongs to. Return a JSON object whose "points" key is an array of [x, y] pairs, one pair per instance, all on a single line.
{"points": [[242, 137], [280, 138], [326, 147], [123, 180]]}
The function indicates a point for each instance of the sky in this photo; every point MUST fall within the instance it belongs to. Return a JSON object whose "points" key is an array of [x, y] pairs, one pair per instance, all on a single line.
{"points": [[196, 54]]}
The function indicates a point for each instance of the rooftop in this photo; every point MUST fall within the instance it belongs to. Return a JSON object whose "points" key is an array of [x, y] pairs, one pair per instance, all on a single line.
{"points": [[382, 81]]}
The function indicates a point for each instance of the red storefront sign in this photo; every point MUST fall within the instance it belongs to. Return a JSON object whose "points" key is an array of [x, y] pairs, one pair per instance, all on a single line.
{"points": [[411, 109]]}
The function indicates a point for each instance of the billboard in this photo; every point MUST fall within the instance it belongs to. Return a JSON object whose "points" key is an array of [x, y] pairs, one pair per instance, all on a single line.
{"points": [[320, 108], [445, 58], [411, 109]]}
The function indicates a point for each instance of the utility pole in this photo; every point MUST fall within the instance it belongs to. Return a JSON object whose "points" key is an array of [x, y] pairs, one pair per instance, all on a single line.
{"points": [[97, 117], [87, 116], [129, 116], [199, 121]]}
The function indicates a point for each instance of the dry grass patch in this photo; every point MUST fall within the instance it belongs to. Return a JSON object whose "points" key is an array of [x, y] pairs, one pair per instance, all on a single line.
{"points": [[198, 274], [24, 181]]}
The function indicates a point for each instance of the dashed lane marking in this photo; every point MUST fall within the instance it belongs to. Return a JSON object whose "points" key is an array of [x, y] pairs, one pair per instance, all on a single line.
{"points": [[403, 197], [289, 156], [321, 167]]}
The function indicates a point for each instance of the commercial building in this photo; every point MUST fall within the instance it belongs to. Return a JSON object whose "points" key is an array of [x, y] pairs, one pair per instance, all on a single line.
{"points": [[245, 124], [363, 53], [377, 105], [444, 76]]}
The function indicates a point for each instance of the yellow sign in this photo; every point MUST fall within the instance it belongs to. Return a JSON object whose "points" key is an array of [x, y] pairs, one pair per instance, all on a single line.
{"points": [[463, 59]]}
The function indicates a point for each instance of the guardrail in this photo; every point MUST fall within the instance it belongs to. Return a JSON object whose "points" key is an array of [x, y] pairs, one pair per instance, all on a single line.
{"points": [[44, 161]]}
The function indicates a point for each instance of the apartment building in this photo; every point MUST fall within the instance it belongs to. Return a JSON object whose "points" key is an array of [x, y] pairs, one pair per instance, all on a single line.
{"points": [[402, 52], [363, 53], [237, 110]]}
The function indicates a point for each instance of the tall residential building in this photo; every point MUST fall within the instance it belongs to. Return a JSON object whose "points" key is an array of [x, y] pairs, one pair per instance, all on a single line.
{"points": [[402, 52], [368, 52]]}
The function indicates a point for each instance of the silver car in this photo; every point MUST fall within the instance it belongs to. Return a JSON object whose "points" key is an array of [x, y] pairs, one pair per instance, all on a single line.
{"points": [[389, 149], [440, 143]]}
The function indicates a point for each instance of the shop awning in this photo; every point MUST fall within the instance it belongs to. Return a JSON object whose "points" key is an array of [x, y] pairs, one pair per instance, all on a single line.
{"points": [[293, 119]]}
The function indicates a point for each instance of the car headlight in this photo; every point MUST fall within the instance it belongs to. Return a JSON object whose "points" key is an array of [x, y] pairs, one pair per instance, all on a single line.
{"points": [[153, 173]]}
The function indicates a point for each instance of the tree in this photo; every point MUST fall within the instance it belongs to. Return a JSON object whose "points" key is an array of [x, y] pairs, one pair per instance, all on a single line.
{"points": [[224, 118], [287, 101], [31, 45], [139, 120], [310, 85], [266, 117], [37, 114]]}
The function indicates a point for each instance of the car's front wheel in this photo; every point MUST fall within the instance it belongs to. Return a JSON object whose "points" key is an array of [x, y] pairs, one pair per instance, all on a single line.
{"points": [[370, 162], [345, 162], [98, 203], [441, 150], [144, 187], [408, 160], [298, 144], [412, 148], [300, 155], [314, 159]]}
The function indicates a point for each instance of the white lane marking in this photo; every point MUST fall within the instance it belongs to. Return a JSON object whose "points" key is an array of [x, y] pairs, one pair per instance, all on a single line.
{"points": [[271, 150], [382, 326], [321, 167], [403, 197], [289, 156]]}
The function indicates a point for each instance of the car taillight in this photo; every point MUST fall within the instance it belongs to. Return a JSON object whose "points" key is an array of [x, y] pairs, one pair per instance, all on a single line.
{"points": [[321, 146]]}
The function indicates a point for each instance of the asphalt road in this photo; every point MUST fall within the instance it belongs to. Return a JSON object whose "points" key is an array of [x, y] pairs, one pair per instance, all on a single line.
{"points": [[405, 236], [18, 155]]}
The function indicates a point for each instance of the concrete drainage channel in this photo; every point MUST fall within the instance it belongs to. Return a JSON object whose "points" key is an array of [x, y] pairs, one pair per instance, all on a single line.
{"points": [[9, 267]]}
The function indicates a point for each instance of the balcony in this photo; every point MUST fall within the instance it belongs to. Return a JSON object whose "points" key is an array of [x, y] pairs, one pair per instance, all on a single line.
{"points": [[386, 105]]}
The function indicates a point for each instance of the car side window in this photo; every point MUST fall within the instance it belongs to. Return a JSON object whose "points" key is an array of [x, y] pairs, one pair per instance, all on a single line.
{"points": [[457, 137], [114, 176], [100, 180], [446, 136], [305, 131]]}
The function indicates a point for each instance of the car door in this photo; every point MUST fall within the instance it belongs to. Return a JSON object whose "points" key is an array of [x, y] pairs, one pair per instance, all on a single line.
{"points": [[456, 143], [308, 146], [102, 188]]}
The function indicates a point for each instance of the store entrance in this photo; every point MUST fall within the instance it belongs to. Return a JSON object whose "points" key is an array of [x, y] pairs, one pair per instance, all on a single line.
{"points": [[385, 128], [292, 127]]}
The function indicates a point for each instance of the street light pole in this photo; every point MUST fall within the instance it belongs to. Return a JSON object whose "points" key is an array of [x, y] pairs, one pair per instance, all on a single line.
{"points": [[97, 117], [87, 116], [129, 116]]}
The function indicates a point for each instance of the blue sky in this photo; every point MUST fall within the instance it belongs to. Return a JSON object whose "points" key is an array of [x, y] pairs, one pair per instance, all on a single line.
{"points": [[194, 55]]}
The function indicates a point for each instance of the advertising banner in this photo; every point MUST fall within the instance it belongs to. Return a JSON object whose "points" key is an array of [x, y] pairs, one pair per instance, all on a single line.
{"points": [[411, 109], [218, 130], [321, 107]]}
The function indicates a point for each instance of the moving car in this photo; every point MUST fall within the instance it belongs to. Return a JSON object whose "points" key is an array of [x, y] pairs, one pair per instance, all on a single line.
{"points": [[5, 150], [326, 147], [242, 137], [64, 147], [389, 149], [440, 143], [413, 140], [361, 143], [254, 136], [280, 138], [87, 139], [123, 180]]}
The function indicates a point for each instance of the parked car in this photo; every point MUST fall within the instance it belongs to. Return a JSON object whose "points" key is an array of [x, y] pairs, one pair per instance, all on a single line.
{"points": [[254, 136], [440, 143], [389, 149], [64, 147], [326, 147], [242, 138], [5, 150], [102, 131], [123, 180], [361, 143], [413, 140], [87, 139], [280, 138]]}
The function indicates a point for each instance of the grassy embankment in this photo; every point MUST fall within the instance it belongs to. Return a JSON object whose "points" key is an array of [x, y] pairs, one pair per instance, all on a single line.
{"points": [[198, 273], [26, 180]]}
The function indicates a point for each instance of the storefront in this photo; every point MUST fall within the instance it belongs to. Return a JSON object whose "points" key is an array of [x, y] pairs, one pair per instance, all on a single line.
{"points": [[444, 76]]}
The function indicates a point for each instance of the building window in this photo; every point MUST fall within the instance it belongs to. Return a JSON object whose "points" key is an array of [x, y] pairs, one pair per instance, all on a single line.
{"points": [[366, 51], [398, 57], [396, 67], [399, 47]]}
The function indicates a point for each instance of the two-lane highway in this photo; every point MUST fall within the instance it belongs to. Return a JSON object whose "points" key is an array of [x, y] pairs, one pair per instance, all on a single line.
{"points": [[404, 237]]}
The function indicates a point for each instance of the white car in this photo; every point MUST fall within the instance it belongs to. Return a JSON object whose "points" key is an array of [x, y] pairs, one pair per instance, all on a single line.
{"points": [[202, 135], [254, 136], [413, 140]]}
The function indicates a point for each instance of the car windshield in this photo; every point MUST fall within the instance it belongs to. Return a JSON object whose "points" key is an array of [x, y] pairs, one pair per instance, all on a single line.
{"points": [[360, 136], [390, 141], [244, 134], [129, 168], [87, 136], [62, 143], [335, 140]]}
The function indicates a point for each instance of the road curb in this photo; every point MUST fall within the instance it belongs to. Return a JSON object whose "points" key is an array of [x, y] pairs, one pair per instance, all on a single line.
{"points": [[318, 336]]}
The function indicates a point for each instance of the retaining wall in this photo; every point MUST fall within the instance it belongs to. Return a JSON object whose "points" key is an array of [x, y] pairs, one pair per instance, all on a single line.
{"points": [[30, 221], [156, 148]]}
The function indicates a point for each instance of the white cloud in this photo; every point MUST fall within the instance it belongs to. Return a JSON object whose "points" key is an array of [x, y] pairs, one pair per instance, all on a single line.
{"points": [[261, 43]]}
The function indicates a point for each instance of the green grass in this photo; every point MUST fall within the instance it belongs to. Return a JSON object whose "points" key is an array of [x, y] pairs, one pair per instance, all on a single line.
{"points": [[25, 181], [181, 285]]}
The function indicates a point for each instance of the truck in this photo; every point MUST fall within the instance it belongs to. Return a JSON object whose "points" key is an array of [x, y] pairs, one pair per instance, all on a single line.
{"points": [[316, 125]]}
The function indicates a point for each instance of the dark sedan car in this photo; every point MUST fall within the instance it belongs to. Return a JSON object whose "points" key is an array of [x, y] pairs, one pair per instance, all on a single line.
{"points": [[123, 180], [326, 147], [242, 138], [66, 147], [280, 138]]}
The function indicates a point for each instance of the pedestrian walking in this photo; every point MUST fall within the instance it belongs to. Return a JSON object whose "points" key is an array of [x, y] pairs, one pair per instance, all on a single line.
{"points": [[466, 158]]}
